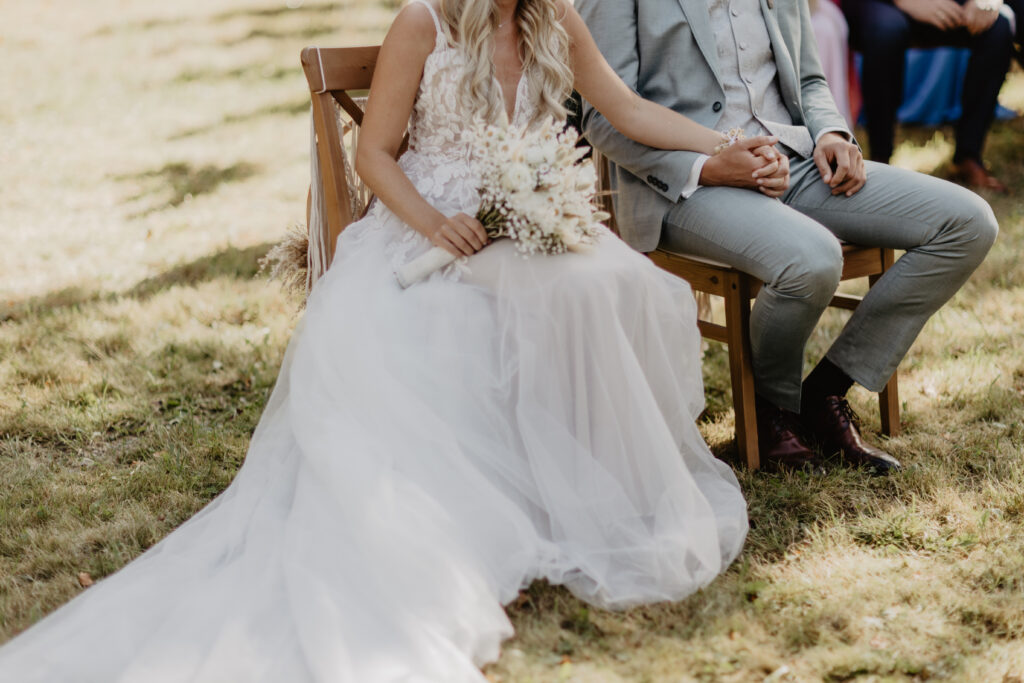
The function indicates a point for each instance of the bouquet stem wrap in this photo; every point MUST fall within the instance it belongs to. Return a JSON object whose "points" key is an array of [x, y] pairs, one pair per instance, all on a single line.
{"points": [[424, 265]]}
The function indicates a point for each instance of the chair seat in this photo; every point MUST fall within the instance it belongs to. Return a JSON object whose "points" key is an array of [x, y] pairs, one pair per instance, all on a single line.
{"points": [[698, 259], [707, 275], [849, 250]]}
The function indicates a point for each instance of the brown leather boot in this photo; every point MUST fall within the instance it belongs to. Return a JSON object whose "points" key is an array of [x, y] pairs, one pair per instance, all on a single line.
{"points": [[974, 175], [836, 428], [779, 439]]}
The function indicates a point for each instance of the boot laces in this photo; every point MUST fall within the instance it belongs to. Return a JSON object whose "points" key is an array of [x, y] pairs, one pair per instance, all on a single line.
{"points": [[847, 412], [783, 424]]}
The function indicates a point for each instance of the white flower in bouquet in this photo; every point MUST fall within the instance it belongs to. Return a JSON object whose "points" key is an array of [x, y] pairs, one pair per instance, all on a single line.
{"points": [[535, 157], [570, 234], [519, 178], [586, 177], [535, 188]]}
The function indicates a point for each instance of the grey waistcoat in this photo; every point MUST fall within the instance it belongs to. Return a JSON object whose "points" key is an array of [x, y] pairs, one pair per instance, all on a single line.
{"points": [[753, 101]]}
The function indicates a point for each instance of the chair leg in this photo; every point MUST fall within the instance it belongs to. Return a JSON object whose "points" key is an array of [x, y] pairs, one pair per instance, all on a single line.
{"points": [[889, 397], [889, 405], [737, 317]]}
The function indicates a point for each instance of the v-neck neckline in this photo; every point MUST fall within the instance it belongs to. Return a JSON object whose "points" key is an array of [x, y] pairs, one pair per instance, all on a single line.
{"points": [[515, 98]]}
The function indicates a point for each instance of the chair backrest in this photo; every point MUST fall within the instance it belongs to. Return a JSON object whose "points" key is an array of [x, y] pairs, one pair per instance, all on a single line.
{"points": [[338, 80]]}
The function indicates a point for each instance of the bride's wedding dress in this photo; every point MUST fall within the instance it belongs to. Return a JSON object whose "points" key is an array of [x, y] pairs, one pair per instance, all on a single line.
{"points": [[426, 454]]}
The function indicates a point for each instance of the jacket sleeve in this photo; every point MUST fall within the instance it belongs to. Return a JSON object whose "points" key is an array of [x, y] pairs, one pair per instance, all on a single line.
{"points": [[613, 23], [819, 107]]}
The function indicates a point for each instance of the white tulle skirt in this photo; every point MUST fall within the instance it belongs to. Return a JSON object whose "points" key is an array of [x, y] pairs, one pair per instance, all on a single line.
{"points": [[426, 454]]}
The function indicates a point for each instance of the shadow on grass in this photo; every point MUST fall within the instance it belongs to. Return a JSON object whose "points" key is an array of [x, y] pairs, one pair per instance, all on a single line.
{"points": [[280, 109], [133, 26], [250, 72], [186, 181], [223, 17], [277, 11], [240, 264], [69, 297], [302, 32], [232, 262]]}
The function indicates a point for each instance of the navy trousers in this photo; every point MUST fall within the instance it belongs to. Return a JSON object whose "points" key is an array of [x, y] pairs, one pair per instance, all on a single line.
{"points": [[1018, 9], [882, 33]]}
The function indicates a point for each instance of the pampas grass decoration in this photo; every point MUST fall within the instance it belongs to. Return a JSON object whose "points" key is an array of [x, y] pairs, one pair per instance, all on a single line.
{"points": [[287, 261]]}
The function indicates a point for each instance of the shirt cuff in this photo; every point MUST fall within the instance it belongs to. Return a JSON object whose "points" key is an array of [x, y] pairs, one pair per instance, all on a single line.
{"points": [[834, 129], [693, 181]]}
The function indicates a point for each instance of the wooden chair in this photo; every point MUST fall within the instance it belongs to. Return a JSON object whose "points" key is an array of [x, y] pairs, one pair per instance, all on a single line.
{"points": [[335, 75], [738, 289], [338, 79]]}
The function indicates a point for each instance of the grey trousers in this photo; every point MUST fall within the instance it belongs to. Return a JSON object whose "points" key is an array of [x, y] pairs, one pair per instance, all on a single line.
{"points": [[793, 245]]}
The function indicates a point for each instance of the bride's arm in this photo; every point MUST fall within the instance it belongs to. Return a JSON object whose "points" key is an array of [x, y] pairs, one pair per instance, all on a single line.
{"points": [[642, 120], [396, 79]]}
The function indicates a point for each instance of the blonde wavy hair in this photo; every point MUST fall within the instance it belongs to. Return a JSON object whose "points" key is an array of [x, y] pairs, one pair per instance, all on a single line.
{"points": [[543, 46]]}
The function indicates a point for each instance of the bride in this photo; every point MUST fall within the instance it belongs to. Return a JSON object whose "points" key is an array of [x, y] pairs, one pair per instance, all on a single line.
{"points": [[429, 452]]}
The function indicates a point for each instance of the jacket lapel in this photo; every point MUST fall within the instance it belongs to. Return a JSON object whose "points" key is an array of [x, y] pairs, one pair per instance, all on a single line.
{"points": [[696, 12], [783, 59]]}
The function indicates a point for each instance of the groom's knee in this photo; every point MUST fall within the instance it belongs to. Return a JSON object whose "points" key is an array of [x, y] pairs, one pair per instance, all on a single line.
{"points": [[812, 270], [981, 229], [972, 228]]}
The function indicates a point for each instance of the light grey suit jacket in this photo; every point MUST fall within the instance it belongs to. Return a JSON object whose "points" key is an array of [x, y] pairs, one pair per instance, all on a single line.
{"points": [[666, 51]]}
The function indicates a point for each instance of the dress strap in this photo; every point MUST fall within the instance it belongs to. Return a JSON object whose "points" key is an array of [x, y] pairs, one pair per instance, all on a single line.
{"points": [[437, 21]]}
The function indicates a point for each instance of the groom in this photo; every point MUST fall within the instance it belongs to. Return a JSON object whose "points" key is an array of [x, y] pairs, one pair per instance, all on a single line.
{"points": [[753, 64]]}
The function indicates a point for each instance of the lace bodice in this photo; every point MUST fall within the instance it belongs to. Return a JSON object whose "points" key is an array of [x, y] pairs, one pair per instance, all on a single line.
{"points": [[438, 159], [439, 121]]}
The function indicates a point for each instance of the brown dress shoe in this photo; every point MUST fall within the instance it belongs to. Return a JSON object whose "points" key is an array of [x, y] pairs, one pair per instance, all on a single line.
{"points": [[780, 442], [974, 175], [836, 427]]}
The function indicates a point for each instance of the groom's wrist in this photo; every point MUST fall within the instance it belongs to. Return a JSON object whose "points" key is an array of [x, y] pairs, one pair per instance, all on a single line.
{"points": [[844, 134], [714, 172]]}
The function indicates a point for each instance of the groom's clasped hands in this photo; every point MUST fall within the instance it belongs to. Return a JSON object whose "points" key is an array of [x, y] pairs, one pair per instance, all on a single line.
{"points": [[755, 164], [751, 163]]}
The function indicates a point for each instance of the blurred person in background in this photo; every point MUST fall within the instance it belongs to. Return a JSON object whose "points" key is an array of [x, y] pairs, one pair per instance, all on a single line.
{"points": [[883, 30], [1016, 8], [832, 36]]}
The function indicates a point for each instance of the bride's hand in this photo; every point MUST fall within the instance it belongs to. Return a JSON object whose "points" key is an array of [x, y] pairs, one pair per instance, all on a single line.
{"points": [[460, 235], [773, 177]]}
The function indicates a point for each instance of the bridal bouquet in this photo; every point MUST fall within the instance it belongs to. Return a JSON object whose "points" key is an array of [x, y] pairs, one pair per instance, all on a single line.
{"points": [[534, 189]]}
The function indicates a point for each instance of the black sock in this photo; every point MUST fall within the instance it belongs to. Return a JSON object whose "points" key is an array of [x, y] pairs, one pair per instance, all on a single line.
{"points": [[827, 379], [766, 408], [763, 406]]}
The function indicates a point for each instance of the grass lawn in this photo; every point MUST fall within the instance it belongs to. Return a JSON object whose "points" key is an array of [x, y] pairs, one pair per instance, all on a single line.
{"points": [[152, 152]]}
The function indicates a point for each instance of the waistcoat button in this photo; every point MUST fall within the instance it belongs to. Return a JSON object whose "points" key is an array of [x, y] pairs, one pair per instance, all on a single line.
{"points": [[717, 106]]}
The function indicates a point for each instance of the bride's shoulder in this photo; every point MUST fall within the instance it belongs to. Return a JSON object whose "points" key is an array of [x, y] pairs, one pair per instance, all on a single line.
{"points": [[415, 26], [562, 9], [569, 18]]}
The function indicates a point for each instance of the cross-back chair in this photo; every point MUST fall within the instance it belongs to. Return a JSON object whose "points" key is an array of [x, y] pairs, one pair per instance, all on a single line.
{"points": [[338, 79]]}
